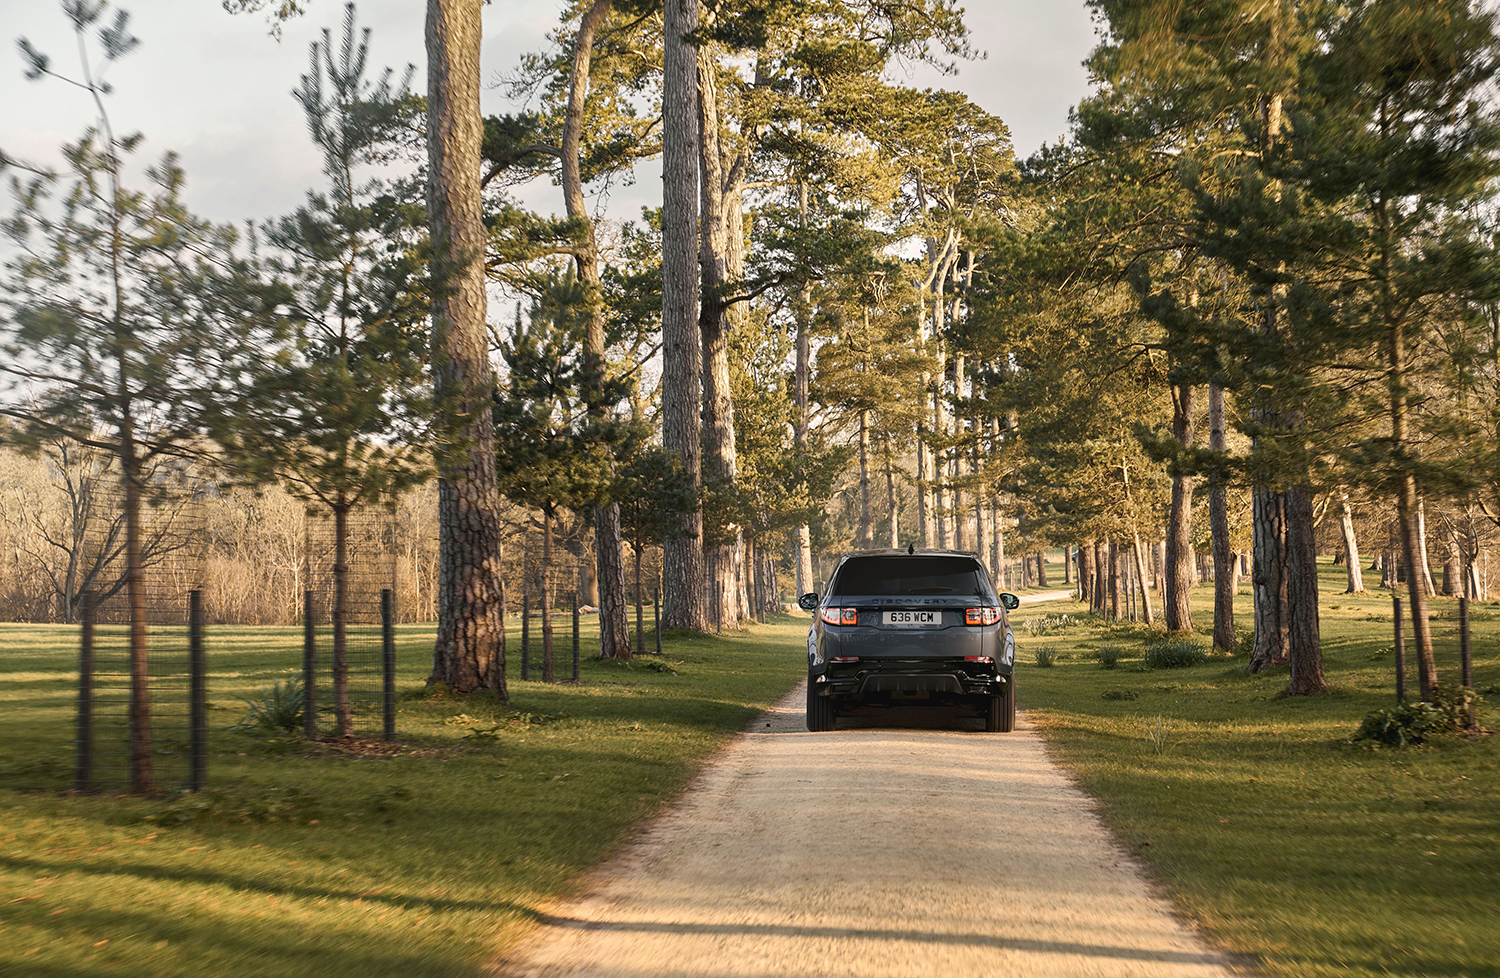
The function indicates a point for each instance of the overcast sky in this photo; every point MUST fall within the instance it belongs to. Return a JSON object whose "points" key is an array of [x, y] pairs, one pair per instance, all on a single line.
{"points": [[216, 88]]}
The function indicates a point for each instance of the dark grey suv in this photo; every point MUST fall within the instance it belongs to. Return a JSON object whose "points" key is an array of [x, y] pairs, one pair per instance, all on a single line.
{"points": [[910, 627]]}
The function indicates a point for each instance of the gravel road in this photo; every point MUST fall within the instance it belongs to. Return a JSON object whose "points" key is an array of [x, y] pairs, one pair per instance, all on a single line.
{"points": [[904, 843]]}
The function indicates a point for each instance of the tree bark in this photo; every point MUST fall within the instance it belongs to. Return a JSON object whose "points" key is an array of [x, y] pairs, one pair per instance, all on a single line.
{"points": [[725, 558], [1115, 595], [865, 535], [1218, 518], [1422, 562], [548, 675], [684, 604], [343, 709], [1086, 573], [614, 619], [805, 580], [1269, 581], [471, 630], [1041, 568], [1351, 547], [892, 507], [1305, 651], [1176, 610], [1140, 576]]}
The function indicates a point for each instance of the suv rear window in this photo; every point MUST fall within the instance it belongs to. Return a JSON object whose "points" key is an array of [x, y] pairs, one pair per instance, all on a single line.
{"points": [[910, 576]]}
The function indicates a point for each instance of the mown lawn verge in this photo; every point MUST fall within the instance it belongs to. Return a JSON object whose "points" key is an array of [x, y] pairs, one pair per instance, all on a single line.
{"points": [[301, 860], [1310, 854]]}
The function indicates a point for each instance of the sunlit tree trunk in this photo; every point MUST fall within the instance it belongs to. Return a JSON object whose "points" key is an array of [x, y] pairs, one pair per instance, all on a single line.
{"points": [[682, 562], [1218, 519], [470, 628]]}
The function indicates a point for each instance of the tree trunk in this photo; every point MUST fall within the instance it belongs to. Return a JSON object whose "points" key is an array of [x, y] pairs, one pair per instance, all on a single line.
{"points": [[1269, 581], [1218, 517], [1041, 568], [1140, 575], [1086, 573], [865, 536], [682, 572], [1423, 562], [803, 311], [1351, 547], [470, 628], [343, 710], [1176, 610], [1115, 595], [893, 512], [724, 558], [547, 671], [1305, 651], [1100, 554], [142, 768]]}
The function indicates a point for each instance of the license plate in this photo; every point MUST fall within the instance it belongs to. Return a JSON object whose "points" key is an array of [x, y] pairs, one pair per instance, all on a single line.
{"points": [[911, 619]]}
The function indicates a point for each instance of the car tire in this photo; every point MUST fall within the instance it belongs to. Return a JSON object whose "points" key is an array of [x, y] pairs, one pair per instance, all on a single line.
{"points": [[1002, 718], [819, 710]]}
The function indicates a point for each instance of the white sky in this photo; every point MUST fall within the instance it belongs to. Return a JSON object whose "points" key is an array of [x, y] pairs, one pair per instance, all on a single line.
{"points": [[216, 88]]}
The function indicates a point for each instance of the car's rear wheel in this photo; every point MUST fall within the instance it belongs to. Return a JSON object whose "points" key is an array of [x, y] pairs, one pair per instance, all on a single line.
{"points": [[1003, 709], [819, 710]]}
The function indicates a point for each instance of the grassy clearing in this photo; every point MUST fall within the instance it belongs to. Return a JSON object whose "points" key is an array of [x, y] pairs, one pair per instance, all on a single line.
{"points": [[1311, 855], [301, 860]]}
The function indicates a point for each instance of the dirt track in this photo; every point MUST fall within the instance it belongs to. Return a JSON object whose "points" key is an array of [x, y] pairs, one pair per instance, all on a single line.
{"points": [[905, 843]]}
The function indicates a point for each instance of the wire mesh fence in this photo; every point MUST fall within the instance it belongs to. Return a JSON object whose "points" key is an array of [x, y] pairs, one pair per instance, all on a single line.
{"points": [[160, 678], [344, 680]]}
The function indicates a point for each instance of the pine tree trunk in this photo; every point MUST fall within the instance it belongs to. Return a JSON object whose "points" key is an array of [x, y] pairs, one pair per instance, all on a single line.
{"points": [[1041, 568], [893, 512], [1351, 547], [1176, 610], [547, 671], [1116, 597], [471, 630], [726, 570], [1423, 562], [1305, 651], [1100, 554], [1225, 582], [142, 767], [865, 536], [1086, 573], [1140, 575], [343, 709], [806, 582], [1269, 581], [683, 604]]}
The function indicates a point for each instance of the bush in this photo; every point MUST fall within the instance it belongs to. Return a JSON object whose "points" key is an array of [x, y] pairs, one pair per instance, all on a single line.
{"points": [[1409, 723], [1046, 657], [1050, 623], [1175, 653], [1415, 722], [277, 709], [1108, 656]]}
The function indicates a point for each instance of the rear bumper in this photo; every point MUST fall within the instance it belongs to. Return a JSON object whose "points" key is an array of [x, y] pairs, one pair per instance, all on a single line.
{"points": [[877, 680]]}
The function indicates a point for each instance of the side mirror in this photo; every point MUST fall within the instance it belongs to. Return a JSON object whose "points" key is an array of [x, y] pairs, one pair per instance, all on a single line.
{"points": [[808, 602], [1010, 601]]}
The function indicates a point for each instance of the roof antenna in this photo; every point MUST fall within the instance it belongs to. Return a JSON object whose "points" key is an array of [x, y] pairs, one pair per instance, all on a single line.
{"points": [[911, 548]]}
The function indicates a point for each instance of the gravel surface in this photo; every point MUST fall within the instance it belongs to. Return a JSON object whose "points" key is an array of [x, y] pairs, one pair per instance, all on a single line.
{"points": [[905, 843]]}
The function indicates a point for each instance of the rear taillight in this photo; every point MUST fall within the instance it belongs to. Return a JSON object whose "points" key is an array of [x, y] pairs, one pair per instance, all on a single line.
{"points": [[840, 616], [981, 616], [978, 658], [843, 658]]}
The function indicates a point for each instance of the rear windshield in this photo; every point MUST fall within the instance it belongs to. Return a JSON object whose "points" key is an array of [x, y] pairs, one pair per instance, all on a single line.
{"points": [[910, 575]]}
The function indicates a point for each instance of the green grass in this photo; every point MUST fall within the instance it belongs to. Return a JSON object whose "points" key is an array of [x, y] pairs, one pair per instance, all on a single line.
{"points": [[300, 860], [1310, 855]]}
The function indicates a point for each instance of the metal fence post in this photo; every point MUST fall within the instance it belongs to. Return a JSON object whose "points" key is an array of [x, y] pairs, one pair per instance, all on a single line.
{"points": [[83, 747], [388, 660], [197, 695], [656, 616], [309, 669], [525, 636], [575, 636], [1400, 650]]}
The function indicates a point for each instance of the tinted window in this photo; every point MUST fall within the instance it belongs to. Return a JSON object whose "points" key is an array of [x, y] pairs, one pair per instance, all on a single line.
{"points": [[910, 575]]}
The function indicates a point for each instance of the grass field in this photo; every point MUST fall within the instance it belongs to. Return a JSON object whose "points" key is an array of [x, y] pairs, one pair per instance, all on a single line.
{"points": [[301, 860], [1311, 855]]}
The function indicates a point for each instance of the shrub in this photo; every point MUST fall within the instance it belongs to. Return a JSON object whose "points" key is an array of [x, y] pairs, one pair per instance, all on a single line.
{"points": [[1175, 653], [1108, 656], [277, 709], [1409, 723], [1046, 657], [1050, 623]]}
